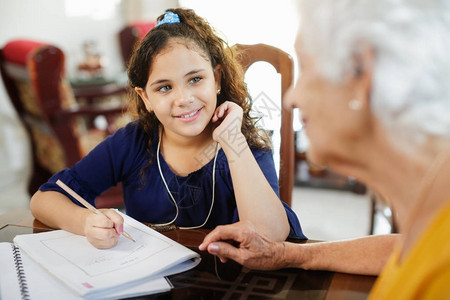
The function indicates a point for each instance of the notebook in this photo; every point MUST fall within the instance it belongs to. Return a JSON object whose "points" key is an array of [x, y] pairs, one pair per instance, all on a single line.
{"points": [[78, 269], [22, 278]]}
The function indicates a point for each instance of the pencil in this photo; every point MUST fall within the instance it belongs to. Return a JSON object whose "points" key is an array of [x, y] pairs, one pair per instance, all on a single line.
{"points": [[85, 203]]}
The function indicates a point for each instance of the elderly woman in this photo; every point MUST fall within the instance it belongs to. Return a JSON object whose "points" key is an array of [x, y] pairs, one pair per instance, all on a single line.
{"points": [[374, 94]]}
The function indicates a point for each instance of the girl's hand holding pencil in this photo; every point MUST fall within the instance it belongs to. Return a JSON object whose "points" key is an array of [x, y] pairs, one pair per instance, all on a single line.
{"points": [[102, 228]]}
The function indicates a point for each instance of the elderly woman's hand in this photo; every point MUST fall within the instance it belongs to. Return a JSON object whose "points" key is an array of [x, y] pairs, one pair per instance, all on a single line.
{"points": [[253, 250]]}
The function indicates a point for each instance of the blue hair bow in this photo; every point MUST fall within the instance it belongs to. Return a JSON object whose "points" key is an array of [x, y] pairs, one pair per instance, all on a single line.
{"points": [[169, 18]]}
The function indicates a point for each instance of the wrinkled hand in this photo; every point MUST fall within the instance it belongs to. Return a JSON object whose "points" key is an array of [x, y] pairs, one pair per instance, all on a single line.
{"points": [[228, 120], [254, 250], [103, 231]]}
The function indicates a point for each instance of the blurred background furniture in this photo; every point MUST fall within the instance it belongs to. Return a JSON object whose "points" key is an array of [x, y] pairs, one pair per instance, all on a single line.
{"points": [[283, 65], [34, 76], [309, 175], [130, 35], [101, 91], [380, 208]]}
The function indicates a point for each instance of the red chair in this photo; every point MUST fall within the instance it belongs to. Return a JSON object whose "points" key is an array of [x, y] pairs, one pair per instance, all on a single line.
{"points": [[130, 36], [34, 76]]}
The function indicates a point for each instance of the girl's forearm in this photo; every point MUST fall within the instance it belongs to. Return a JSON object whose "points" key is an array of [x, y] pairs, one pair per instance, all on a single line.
{"points": [[57, 211], [255, 198]]}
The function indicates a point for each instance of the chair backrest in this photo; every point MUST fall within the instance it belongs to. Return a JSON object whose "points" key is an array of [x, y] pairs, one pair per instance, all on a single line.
{"points": [[130, 36], [283, 64], [33, 74]]}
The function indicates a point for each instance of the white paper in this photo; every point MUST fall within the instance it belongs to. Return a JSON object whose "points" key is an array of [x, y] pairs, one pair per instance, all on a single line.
{"points": [[96, 262]]}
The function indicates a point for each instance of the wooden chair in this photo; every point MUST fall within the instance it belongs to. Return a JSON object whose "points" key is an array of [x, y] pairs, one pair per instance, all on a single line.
{"points": [[130, 36], [34, 76], [283, 64]]}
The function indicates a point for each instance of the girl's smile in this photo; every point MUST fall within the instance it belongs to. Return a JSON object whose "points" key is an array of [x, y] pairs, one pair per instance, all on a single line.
{"points": [[190, 116]]}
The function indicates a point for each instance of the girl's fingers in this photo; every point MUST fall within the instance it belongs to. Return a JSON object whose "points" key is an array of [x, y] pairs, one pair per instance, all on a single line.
{"points": [[218, 113], [223, 109], [115, 218], [103, 238]]}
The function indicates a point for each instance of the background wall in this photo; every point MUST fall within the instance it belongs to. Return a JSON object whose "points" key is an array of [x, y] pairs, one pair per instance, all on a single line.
{"points": [[251, 21]]}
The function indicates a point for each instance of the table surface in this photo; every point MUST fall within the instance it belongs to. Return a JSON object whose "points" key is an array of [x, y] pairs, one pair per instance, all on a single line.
{"points": [[212, 279], [98, 87]]}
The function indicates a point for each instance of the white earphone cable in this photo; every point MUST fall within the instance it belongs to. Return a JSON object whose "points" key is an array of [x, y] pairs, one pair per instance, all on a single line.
{"points": [[173, 199]]}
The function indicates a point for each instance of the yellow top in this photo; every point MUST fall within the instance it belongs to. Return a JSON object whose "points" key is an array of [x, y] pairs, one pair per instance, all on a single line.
{"points": [[425, 272]]}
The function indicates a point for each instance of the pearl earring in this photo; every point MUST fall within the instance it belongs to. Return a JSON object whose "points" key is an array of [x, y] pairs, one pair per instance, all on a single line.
{"points": [[354, 104], [218, 92]]}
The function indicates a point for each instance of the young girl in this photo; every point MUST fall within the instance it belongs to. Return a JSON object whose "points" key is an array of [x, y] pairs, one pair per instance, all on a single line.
{"points": [[194, 157]]}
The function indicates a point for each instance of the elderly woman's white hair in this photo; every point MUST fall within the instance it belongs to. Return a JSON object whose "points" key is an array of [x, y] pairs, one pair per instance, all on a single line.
{"points": [[411, 42]]}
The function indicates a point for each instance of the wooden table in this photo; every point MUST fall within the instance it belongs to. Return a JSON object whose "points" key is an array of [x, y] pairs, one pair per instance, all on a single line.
{"points": [[213, 280], [97, 88]]}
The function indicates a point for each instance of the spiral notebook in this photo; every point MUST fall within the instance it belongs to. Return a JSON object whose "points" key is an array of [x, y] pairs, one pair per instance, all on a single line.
{"points": [[51, 264], [22, 278]]}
